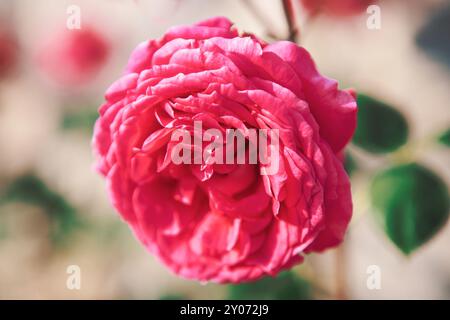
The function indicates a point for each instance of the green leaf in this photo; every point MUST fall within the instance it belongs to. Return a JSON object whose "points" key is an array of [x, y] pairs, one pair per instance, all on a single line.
{"points": [[286, 286], [444, 138], [32, 190], [83, 119], [380, 128], [412, 203]]}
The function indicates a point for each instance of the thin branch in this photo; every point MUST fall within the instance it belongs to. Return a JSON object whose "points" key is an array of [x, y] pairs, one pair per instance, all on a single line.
{"points": [[289, 12]]}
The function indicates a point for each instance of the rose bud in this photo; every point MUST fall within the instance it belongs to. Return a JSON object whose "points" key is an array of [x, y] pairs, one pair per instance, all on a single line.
{"points": [[338, 8], [74, 57]]}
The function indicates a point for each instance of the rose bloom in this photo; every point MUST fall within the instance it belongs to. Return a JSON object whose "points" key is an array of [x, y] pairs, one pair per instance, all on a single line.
{"points": [[337, 7], [226, 222], [74, 57]]}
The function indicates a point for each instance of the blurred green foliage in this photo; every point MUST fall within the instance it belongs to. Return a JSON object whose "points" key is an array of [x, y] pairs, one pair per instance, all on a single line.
{"points": [[410, 201], [83, 118], [3, 231], [380, 128], [444, 138], [286, 286], [412, 204], [350, 164], [174, 296], [32, 190]]}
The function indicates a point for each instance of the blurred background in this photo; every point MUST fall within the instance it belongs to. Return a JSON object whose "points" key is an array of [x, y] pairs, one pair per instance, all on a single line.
{"points": [[54, 210]]}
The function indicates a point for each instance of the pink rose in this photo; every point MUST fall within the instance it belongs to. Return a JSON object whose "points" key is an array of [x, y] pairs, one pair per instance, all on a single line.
{"points": [[337, 7], [74, 57], [225, 222]]}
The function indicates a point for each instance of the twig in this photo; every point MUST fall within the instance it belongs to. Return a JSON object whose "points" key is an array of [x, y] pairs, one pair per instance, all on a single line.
{"points": [[289, 12]]}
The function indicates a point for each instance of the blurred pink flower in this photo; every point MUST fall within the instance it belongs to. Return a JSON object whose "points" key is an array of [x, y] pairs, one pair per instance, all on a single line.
{"points": [[226, 222], [74, 57], [337, 7], [8, 52]]}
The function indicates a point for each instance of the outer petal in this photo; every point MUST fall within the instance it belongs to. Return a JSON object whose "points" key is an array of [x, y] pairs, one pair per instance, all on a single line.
{"points": [[335, 110], [338, 208]]}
